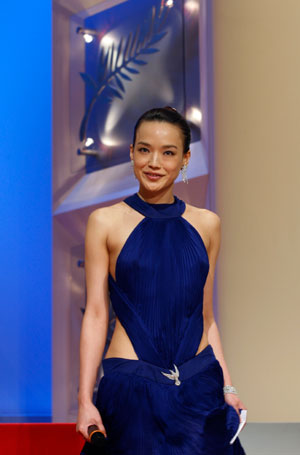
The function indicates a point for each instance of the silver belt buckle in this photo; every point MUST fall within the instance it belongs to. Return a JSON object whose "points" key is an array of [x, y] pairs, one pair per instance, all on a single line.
{"points": [[174, 375]]}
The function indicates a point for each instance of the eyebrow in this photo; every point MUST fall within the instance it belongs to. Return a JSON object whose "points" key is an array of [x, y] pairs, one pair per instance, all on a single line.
{"points": [[164, 146]]}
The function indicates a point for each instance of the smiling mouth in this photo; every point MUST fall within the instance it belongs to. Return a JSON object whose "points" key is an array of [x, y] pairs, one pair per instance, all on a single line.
{"points": [[152, 174]]}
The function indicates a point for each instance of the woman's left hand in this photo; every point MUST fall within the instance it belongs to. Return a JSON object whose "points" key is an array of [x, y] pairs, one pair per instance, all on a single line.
{"points": [[233, 400]]}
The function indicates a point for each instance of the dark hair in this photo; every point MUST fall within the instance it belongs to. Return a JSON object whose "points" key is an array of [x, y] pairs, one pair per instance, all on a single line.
{"points": [[170, 115]]}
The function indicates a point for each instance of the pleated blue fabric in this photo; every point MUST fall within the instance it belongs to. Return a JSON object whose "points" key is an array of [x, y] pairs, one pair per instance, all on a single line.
{"points": [[170, 401]]}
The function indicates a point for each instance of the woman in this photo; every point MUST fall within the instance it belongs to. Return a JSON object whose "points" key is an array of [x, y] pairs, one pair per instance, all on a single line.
{"points": [[164, 371]]}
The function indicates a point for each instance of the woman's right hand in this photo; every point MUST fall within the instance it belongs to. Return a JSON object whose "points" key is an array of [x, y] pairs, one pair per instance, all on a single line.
{"points": [[88, 415]]}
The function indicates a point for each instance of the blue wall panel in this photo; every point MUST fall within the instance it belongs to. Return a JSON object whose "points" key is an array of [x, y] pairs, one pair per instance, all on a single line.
{"points": [[25, 211]]}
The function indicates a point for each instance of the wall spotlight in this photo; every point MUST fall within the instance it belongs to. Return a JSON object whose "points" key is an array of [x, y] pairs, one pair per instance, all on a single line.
{"points": [[194, 115], [169, 3], [87, 34], [88, 38], [89, 141]]}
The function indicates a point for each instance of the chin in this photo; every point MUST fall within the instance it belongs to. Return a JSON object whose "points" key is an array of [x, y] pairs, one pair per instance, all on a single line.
{"points": [[154, 186]]}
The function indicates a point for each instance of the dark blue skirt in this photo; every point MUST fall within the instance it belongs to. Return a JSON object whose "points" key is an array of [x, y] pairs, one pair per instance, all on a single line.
{"points": [[145, 413]]}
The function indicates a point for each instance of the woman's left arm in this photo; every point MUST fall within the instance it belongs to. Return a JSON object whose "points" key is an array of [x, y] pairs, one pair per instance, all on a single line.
{"points": [[210, 325]]}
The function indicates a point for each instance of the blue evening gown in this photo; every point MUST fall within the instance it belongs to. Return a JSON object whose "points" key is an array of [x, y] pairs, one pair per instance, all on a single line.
{"points": [[169, 401]]}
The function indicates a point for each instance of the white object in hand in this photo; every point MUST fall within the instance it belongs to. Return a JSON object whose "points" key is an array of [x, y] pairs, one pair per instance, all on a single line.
{"points": [[241, 425]]}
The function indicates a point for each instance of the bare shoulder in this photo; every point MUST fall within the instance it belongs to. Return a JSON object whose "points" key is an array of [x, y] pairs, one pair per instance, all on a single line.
{"points": [[208, 224], [105, 218], [210, 219]]}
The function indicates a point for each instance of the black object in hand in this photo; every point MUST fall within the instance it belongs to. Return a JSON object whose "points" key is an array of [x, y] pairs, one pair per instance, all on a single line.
{"points": [[97, 444], [97, 438]]}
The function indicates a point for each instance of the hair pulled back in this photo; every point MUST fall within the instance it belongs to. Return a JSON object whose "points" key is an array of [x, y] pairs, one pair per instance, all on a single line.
{"points": [[170, 115]]}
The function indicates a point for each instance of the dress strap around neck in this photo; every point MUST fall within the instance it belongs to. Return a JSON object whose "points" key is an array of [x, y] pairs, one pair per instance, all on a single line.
{"points": [[165, 210]]}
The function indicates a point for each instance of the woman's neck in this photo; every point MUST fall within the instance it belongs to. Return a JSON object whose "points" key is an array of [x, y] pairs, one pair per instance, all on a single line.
{"points": [[166, 197]]}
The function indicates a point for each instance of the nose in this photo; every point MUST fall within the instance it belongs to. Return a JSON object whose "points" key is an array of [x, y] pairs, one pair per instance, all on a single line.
{"points": [[154, 160]]}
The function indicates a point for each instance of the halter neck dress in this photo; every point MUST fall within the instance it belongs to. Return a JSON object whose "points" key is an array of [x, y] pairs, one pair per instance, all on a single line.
{"points": [[170, 401]]}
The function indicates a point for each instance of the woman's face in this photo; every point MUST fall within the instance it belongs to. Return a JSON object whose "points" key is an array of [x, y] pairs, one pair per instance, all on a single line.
{"points": [[158, 154]]}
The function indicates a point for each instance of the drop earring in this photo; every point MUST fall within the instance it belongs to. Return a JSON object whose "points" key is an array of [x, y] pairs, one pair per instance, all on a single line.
{"points": [[183, 173]]}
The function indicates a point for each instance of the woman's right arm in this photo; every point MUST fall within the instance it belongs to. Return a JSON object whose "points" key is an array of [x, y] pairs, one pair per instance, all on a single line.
{"points": [[95, 320]]}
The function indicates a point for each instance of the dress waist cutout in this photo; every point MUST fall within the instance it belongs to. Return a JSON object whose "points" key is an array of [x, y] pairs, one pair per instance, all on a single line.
{"points": [[158, 292]]}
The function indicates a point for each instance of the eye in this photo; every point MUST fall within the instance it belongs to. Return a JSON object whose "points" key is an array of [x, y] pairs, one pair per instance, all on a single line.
{"points": [[169, 152], [142, 149]]}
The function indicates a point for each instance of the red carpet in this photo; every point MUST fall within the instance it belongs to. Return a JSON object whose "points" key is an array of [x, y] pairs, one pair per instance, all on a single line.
{"points": [[40, 439]]}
